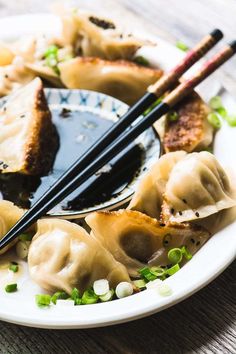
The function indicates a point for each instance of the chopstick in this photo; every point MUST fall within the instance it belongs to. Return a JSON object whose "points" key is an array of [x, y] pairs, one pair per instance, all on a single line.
{"points": [[48, 201]]}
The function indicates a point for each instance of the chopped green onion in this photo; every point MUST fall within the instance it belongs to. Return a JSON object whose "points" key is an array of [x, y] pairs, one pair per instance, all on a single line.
{"points": [[14, 267], [173, 269], [172, 116], [182, 46], [101, 287], [59, 295], [43, 300], [231, 120], [148, 110], [140, 283], [124, 289], [175, 255], [215, 102], [157, 271], [89, 297], [141, 61], [164, 290], [78, 301], [146, 274], [25, 237], [186, 253], [51, 50], [214, 120], [108, 296], [74, 294], [11, 288], [222, 112]]}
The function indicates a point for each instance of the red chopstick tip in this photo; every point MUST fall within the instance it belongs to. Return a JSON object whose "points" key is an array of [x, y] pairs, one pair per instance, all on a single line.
{"points": [[233, 46], [217, 34]]}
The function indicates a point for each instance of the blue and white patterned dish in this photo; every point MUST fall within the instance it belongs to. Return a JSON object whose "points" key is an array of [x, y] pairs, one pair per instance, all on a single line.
{"points": [[108, 108]]}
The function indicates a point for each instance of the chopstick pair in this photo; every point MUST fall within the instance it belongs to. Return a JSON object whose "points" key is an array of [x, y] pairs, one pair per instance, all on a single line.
{"points": [[118, 137]]}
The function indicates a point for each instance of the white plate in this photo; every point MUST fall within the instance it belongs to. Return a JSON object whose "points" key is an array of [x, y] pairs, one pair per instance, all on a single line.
{"points": [[207, 264]]}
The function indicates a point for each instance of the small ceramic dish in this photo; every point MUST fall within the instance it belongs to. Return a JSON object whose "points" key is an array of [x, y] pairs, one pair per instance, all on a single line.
{"points": [[81, 117]]}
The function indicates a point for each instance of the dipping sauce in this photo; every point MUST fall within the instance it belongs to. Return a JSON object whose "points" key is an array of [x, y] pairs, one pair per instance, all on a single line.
{"points": [[77, 130]]}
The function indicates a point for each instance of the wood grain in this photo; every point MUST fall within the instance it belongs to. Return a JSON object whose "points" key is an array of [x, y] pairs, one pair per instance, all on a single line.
{"points": [[204, 323]]}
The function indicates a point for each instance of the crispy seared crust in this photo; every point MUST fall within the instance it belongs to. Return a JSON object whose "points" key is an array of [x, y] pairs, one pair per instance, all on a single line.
{"points": [[36, 141], [42, 144], [188, 131], [142, 219], [122, 63]]}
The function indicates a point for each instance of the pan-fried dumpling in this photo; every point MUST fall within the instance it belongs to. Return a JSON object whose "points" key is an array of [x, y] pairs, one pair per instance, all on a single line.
{"points": [[95, 37], [13, 76], [197, 187], [6, 55], [137, 240], [63, 255], [191, 131], [148, 197], [121, 79], [28, 139], [9, 215]]}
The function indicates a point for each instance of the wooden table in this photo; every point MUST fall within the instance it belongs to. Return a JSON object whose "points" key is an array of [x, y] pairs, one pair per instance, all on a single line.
{"points": [[204, 323]]}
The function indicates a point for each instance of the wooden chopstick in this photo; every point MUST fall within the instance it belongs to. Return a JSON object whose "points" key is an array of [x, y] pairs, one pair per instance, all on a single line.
{"points": [[45, 203]]}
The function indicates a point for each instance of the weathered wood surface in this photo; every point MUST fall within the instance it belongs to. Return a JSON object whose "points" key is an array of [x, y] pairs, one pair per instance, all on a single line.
{"points": [[204, 323]]}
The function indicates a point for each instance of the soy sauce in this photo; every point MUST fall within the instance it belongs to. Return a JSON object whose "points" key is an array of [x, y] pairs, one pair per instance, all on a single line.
{"points": [[77, 130]]}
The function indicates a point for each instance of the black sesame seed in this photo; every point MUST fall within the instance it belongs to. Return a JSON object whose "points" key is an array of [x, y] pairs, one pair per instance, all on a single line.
{"points": [[197, 214], [192, 240], [172, 210], [180, 213], [162, 224], [22, 116], [185, 201], [198, 243], [166, 242], [6, 76]]}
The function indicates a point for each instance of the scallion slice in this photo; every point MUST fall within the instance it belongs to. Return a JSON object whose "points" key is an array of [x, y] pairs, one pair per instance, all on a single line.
{"points": [[157, 271], [231, 120], [182, 46], [146, 274], [89, 297], [173, 269], [11, 288], [59, 295], [13, 267], [175, 255], [215, 102], [108, 296], [164, 290], [140, 283], [124, 289], [186, 253], [222, 112], [52, 50], [43, 300], [101, 287], [214, 120]]}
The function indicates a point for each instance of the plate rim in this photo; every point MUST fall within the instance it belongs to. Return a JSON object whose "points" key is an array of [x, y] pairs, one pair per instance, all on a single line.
{"points": [[141, 311]]}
